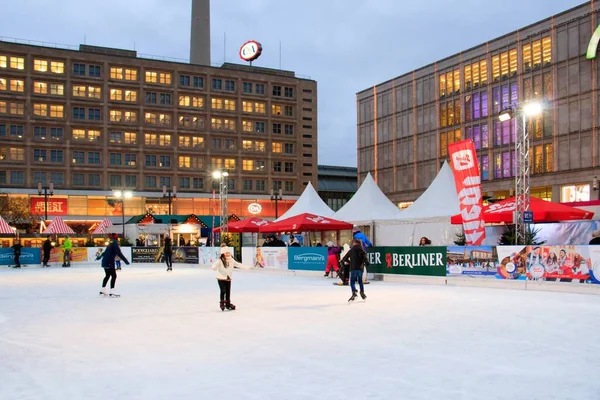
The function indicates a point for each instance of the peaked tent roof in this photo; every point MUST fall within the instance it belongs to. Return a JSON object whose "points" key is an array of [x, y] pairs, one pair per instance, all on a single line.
{"points": [[306, 222], [368, 204], [58, 227], [439, 200], [251, 224], [100, 229], [5, 228], [309, 202]]}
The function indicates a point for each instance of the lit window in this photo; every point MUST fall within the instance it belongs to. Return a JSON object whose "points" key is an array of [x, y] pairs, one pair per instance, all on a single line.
{"points": [[449, 89], [229, 105], [468, 77], [17, 85], [229, 163], [57, 89], [116, 94], [197, 142], [260, 108], [17, 108], [17, 62], [115, 115], [527, 57], [184, 101], [150, 118], [78, 90], [575, 193], [116, 73], [57, 111], [131, 96], [546, 50], [3, 108], [197, 102], [78, 134], [512, 55], [2, 84], [57, 67], [94, 92], [247, 106], [130, 137], [247, 126], [184, 162], [248, 165], [216, 104], [3, 61], [164, 78], [151, 77], [483, 72], [216, 123], [130, 116], [443, 85], [276, 147], [164, 119], [229, 124], [93, 135], [40, 109], [495, 68], [504, 64], [130, 74], [456, 81], [276, 109], [536, 48], [40, 65]]}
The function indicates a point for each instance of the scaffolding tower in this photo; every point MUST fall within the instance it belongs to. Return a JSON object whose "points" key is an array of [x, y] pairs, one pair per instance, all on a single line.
{"points": [[522, 175]]}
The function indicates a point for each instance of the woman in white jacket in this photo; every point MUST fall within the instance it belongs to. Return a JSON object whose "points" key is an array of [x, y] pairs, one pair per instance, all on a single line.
{"points": [[224, 269]]}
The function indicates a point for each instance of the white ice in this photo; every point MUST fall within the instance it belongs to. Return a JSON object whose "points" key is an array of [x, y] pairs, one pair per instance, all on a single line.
{"points": [[291, 337]]}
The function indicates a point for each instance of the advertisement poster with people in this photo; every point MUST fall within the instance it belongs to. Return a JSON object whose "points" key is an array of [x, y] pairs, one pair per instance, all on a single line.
{"points": [[265, 257], [471, 260]]}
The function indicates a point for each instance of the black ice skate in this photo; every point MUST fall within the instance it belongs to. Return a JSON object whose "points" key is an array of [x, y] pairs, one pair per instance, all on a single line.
{"points": [[352, 297], [222, 305], [326, 275], [230, 306], [363, 295], [113, 294]]}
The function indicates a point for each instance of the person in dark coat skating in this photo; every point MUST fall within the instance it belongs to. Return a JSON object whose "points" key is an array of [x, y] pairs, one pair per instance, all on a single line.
{"points": [[108, 263], [168, 253], [358, 259], [17, 253], [47, 248]]}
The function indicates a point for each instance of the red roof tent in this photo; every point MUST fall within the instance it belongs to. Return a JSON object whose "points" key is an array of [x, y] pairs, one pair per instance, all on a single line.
{"points": [[251, 224], [543, 211], [306, 223]]}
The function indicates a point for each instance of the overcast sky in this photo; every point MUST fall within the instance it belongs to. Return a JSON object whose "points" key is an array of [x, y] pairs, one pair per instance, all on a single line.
{"points": [[345, 45]]}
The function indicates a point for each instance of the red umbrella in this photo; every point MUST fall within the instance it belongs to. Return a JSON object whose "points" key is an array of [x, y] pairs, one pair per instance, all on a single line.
{"points": [[543, 211], [306, 223], [251, 224]]}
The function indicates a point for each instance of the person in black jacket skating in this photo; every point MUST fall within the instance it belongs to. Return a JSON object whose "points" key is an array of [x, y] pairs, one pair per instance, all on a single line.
{"points": [[358, 259], [168, 253], [108, 263], [17, 253], [47, 248]]}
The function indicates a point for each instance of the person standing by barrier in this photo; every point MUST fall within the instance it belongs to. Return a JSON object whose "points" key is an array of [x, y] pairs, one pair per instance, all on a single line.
{"points": [[108, 263], [67, 245], [357, 234], [358, 259], [332, 258], [168, 253], [47, 248], [17, 253]]}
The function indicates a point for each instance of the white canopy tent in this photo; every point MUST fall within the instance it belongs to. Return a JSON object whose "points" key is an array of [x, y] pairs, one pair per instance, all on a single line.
{"points": [[368, 205], [428, 216], [308, 202]]}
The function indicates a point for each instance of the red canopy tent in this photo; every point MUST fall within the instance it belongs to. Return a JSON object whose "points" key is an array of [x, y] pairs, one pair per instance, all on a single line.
{"points": [[251, 224], [543, 211], [306, 223]]}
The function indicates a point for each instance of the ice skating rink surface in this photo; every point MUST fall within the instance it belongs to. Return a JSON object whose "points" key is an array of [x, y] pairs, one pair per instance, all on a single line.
{"points": [[292, 337]]}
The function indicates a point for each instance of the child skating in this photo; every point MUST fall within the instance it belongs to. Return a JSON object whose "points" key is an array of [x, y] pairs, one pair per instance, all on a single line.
{"points": [[108, 263], [224, 269]]}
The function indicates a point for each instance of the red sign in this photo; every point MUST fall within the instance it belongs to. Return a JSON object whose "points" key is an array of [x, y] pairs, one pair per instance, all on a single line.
{"points": [[468, 186], [55, 206]]}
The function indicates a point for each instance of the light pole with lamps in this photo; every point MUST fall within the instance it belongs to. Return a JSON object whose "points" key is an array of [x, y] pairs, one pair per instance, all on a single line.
{"points": [[276, 196], [170, 194], [47, 191], [523, 165], [222, 177], [122, 195]]}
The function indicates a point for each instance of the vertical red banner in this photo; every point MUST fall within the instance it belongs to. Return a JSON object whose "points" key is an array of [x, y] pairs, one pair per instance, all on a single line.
{"points": [[468, 187]]}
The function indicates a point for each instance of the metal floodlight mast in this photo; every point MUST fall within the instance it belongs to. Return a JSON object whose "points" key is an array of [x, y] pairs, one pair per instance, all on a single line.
{"points": [[522, 182], [223, 193]]}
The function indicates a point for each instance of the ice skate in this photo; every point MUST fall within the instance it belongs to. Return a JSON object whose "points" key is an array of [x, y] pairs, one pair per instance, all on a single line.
{"points": [[113, 293], [326, 274], [230, 306], [103, 292], [363, 295], [222, 305], [352, 297]]}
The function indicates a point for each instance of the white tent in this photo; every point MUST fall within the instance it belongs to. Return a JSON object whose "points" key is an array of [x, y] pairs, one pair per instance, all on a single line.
{"points": [[368, 204], [308, 202], [428, 216]]}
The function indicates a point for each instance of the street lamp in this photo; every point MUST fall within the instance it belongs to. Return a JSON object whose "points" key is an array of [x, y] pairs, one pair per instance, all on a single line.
{"points": [[522, 175], [276, 196], [122, 195], [596, 186], [48, 191], [170, 194], [222, 177]]}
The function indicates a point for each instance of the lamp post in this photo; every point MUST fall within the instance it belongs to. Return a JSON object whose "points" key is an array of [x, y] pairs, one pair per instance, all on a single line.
{"points": [[122, 195], [596, 187], [276, 196], [170, 194], [47, 191], [523, 172], [222, 177]]}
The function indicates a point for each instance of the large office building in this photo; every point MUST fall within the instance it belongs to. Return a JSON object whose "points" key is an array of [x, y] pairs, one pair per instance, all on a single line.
{"points": [[337, 185], [406, 123], [97, 119]]}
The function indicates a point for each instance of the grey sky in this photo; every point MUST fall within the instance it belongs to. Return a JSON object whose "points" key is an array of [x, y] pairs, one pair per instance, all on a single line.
{"points": [[345, 45]]}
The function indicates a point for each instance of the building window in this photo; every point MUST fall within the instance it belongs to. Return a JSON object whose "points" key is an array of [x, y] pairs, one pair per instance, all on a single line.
{"points": [[198, 82], [276, 128], [151, 160], [276, 90], [289, 166], [447, 138], [247, 106], [449, 83], [115, 159], [288, 92], [17, 62], [260, 88], [288, 148], [184, 182], [260, 185], [40, 65], [289, 186], [115, 180], [95, 71], [126, 74], [276, 109], [475, 74], [289, 129], [151, 97], [151, 182], [165, 161], [276, 166], [276, 186], [191, 101], [17, 85], [259, 127], [276, 147], [131, 181], [130, 159], [288, 111], [93, 157], [41, 110], [39, 155], [17, 131], [575, 193], [247, 184], [163, 78], [184, 80], [198, 183], [259, 108], [229, 163], [39, 132], [247, 87], [184, 162], [248, 165], [165, 98], [230, 85], [485, 167], [217, 84], [78, 157], [78, 179], [56, 156]]}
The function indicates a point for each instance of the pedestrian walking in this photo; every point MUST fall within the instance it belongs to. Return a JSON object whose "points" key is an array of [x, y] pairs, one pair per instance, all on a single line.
{"points": [[47, 248], [168, 253], [224, 269], [358, 259], [108, 263]]}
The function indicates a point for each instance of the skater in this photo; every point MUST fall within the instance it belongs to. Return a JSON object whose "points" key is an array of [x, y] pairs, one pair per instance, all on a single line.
{"points": [[17, 253], [47, 247], [357, 234], [358, 258], [108, 263], [67, 245], [117, 263], [224, 268], [344, 271], [168, 253], [332, 259]]}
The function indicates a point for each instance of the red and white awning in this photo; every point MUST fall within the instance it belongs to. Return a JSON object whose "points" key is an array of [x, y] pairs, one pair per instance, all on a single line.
{"points": [[101, 228], [58, 227], [5, 228]]}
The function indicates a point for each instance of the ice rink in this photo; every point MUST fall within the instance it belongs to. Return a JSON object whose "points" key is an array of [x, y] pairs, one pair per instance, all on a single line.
{"points": [[292, 337]]}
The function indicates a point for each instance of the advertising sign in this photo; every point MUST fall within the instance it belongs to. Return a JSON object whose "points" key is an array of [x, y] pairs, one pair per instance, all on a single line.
{"points": [[78, 254], [468, 187], [185, 255], [472, 260], [265, 257], [307, 258], [422, 260], [29, 255], [146, 254], [250, 50], [55, 206]]}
